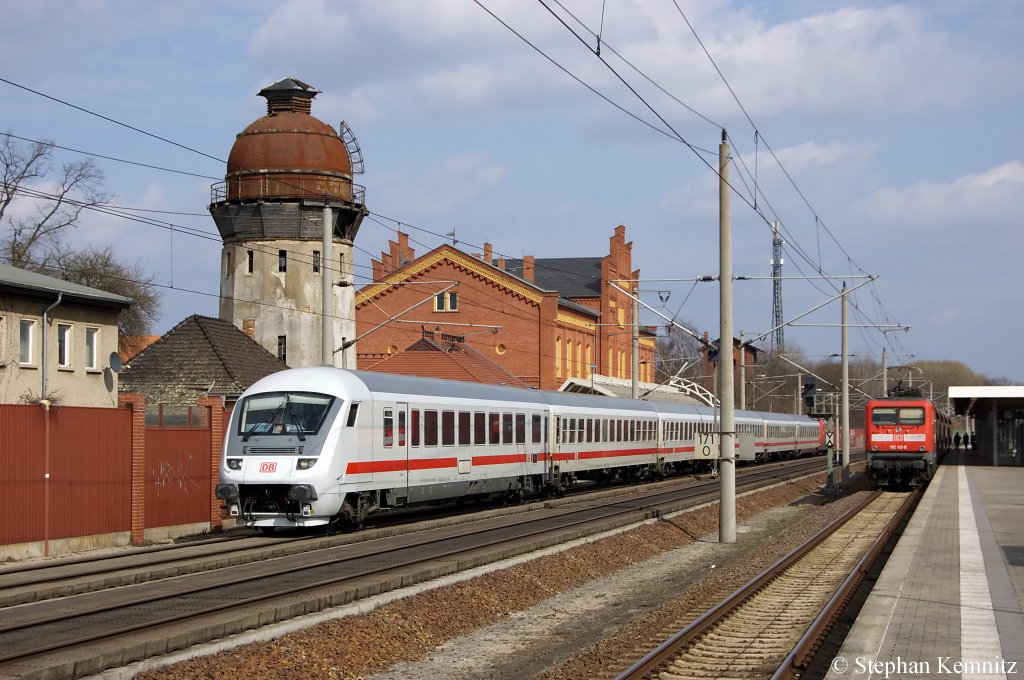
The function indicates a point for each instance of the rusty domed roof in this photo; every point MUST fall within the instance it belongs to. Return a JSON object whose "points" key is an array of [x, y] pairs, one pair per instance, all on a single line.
{"points": [[300, 154]]}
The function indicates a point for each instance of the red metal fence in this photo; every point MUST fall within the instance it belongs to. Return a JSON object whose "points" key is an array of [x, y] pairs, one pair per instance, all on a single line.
{"points": [[177, 476], [74, 472], [63, 472]]}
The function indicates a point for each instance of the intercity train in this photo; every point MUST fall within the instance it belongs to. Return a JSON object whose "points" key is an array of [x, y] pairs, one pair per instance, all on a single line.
{"points": [[904, 439], [313, 446]]}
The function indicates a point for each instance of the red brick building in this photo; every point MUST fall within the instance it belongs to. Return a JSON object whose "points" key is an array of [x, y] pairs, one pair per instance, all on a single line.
{"points": [[543, 320]]}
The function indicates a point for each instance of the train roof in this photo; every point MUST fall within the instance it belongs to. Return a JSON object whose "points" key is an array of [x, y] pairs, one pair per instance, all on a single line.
{"points": [[342, 381]]}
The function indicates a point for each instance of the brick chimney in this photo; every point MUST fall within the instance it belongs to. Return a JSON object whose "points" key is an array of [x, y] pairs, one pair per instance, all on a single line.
{"points": [[501, 263], [488, 253], [249, 327], [528, 267]]}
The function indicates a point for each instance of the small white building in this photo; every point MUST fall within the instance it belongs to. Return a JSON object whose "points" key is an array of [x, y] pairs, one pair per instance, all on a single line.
{"points": [[56, 340]]}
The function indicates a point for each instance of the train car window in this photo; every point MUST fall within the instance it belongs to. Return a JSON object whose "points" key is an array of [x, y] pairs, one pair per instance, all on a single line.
{"points": [[389, 422], [520, 428], [430, 428], [414, 425], [571, 439], [464, 428], [401, 428], [579, 430], [883, 416], [912, 415], [447, 428], [494, 427], [590, 429], [536, 424], [479, 428], [506, 428], [353, 411], [545, 429], [632, 430]]}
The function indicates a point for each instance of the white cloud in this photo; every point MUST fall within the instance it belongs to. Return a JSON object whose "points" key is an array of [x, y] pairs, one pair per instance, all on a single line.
{"points": [[464, 86], [820, 170], [991, 197], [302, 29], [444, 190]]}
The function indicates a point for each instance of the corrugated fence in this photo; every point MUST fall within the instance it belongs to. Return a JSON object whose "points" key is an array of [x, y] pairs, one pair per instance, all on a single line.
{"points": [[69, 472]]}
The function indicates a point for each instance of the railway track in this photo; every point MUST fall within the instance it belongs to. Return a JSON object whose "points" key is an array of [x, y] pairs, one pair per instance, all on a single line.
{"points": [[72, 636], [771, 627]]}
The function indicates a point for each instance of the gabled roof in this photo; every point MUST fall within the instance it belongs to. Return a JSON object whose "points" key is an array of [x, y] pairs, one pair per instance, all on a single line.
{"points": [[430, 358], [509, 282], [16, 280], [199, 356], [572, 277]]}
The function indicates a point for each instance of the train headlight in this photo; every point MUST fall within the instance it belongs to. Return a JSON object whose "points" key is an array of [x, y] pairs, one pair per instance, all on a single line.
{"points": [[303, 493], [305, 463], [234, 463], [227, 492], [922, 449], [874, 447]]}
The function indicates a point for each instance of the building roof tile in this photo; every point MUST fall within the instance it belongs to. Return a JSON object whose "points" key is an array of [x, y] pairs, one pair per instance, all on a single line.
{"points": [[200, 356]]}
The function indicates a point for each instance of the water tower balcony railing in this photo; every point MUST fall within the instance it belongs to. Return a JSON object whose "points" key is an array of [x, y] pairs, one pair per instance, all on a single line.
{"points": [[299, 186]]}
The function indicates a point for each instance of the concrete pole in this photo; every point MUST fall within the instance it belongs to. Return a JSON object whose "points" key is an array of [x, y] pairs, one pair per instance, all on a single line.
{"points": [[885, 376], [797, 409], [743, 375], [846, 399], [327, 292], [727, 505], [636, 343]]}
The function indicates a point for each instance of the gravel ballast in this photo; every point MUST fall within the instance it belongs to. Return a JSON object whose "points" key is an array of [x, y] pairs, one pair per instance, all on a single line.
{"points": [[587, 612]]}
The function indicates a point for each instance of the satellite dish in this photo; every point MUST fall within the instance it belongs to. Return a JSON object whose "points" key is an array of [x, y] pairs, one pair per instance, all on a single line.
{"points": [[115, 362]]}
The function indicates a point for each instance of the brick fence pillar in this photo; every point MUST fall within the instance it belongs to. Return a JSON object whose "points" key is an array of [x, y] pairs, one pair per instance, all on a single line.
{"points": [[137, 404], [216, 412]]}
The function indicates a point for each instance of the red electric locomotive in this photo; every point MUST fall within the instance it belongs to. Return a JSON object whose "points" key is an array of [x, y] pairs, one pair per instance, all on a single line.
{"points": [[904, 439]]}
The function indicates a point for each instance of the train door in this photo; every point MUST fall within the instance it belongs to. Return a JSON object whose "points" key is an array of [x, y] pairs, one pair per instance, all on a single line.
{"points": [[554, 428], [391, 468], [402, 438]]}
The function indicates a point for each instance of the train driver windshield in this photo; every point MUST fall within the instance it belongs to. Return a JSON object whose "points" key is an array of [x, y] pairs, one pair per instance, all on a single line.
{"points": [[287, 413]]}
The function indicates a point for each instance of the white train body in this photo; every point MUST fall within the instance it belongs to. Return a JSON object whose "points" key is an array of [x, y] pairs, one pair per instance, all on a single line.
{"points": [[309, 446]]}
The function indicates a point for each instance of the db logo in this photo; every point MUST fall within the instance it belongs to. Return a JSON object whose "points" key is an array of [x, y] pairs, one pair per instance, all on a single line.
{"points": [[268, 467]]}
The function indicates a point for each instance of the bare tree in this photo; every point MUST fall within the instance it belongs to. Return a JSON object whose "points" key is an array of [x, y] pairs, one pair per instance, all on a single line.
{"points": [[38, 205], [676, 349], [56, 202], [98, 268]]}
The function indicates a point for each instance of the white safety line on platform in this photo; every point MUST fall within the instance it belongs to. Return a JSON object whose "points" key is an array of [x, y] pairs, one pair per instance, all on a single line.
{"points": [[980, 651]]}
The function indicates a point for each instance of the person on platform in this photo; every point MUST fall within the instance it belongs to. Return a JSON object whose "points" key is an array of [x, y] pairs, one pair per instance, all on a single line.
{"points": [[956, 441]]}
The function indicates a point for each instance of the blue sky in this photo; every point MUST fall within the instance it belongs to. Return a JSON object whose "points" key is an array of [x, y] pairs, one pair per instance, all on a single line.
{"points": [[898, 128]]}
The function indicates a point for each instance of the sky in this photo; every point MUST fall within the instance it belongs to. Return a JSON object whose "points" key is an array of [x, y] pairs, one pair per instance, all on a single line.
{"points": [[885, 139]]}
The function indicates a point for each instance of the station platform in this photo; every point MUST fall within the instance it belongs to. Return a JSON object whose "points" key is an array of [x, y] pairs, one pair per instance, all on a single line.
{"points": [[950, 600]]}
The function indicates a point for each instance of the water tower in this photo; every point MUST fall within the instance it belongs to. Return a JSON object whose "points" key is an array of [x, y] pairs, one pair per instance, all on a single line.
{"points": [[285, 280]]}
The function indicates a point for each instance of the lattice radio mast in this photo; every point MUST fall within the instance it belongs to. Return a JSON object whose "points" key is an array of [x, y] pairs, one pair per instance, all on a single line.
{"points": [[778, 343]]}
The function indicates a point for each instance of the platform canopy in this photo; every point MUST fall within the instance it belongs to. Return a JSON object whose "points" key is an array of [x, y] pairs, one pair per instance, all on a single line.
{"points": [[972, 401]]}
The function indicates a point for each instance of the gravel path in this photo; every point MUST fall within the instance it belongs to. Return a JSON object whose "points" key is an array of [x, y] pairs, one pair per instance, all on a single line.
{"points": [[587, 612]]}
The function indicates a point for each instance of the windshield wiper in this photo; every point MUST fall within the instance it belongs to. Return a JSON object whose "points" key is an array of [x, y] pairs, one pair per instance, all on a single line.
{"points": [[298, 425], [268, 422]]}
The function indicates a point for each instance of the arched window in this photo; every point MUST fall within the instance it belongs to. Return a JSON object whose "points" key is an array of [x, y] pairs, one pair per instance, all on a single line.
{"points": [[590, 361], [579, 359], [558, 357], [568, 358]]}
